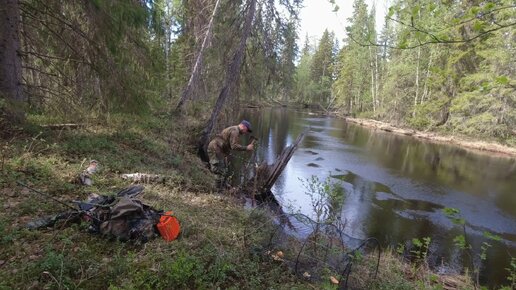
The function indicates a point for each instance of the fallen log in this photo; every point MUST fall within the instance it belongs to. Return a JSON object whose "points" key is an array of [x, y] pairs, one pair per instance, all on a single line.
{"points": [[266, 175], [282, 160]]}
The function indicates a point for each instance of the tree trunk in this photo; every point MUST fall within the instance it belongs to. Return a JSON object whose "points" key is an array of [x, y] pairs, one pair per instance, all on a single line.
{"points": [[167, 46], [192, 82], [425, 88], [417, 81], [383, 71], [371, 65], [10, 61], [417, 75], [232, 74], [377, 85]]}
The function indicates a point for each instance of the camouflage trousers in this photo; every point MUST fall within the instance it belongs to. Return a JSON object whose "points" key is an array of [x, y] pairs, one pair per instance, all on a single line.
{"points": [[218, 165]]}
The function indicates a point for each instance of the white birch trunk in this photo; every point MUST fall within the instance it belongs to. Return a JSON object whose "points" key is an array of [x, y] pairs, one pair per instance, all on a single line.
{"points": [[417, 80], [198, 62], [425, 86], [168, 31], [377, 85], [371, 65]]}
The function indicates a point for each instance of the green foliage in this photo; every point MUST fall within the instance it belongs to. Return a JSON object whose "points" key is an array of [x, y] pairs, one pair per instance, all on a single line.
{"points": [[90, 59], [492, 236], [464, 86], [486, 245], [326, 198], [289, 51], [87, 145], [184, 271], [421, 248], [460, 242], [304, 87], [58, 269], [454, 215], [400, 249], [321, 68], [7, 236], [512, 274], [352, 86]]}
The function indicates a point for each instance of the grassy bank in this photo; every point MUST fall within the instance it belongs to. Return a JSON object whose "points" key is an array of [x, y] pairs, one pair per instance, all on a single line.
{"points": [[222, 244]]}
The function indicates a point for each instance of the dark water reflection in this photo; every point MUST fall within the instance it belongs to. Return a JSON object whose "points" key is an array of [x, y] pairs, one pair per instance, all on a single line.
{"points": [[396, 186]]}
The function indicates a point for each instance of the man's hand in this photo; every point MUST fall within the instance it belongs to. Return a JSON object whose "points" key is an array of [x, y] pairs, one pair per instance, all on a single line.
{"points": [[250, 147]]}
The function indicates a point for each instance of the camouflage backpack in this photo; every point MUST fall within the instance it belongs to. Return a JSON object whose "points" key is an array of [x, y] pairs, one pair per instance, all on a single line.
{"points": [[129, 219]]}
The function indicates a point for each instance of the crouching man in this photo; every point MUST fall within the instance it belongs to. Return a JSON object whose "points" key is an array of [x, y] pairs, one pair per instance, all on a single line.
{"points": [[220, 147]]}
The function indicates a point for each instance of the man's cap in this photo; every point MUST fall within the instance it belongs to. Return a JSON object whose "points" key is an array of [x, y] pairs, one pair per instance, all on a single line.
{"points": [[247, 124]]}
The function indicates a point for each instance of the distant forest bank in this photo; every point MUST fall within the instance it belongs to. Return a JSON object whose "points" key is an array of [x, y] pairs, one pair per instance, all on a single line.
{"points": [[483, 146], [479, 144]]}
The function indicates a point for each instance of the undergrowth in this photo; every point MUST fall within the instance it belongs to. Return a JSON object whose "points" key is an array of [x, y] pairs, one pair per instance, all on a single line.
{"points": [[222, 245]]}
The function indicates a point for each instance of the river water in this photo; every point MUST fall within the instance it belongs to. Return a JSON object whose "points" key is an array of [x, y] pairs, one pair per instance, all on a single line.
{"points": [[396, 186]]}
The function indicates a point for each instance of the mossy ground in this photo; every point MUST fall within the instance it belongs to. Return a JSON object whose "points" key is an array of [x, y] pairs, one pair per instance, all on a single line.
{"points": [[222, 244]]}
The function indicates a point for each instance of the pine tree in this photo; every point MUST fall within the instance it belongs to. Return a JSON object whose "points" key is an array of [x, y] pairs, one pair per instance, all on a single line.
{"points": [[288, 55], [354, 78], [12, 97], [321, 69], [303, 81]]}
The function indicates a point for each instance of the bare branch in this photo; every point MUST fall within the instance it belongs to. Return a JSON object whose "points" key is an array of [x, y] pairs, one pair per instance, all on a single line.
{"points": [[39, 70], [477, 17], [71, 26], [24, 53], [435, 40]]}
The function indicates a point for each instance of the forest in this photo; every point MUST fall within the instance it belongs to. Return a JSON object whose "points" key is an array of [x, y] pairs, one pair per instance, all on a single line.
{"points": [[445, 66], [141, 85]]}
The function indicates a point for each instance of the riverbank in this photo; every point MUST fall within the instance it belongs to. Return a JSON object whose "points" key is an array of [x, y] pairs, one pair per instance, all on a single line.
{"points": [[484, 147], [478, 146], [222, 245]]}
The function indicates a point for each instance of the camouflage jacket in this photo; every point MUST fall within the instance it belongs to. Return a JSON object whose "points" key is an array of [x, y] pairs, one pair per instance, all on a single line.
{"points": [[227, 140]]}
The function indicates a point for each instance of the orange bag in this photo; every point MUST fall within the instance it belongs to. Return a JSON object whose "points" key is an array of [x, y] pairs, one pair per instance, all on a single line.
{"points": [[168, 226]]}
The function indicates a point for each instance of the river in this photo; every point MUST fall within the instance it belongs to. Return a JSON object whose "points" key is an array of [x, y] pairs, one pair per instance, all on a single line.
{"points": [[396, 186]]}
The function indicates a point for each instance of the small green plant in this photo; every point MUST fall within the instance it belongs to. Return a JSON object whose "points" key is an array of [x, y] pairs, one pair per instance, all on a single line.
{"points": [[400, 249], [184, 270], [512, 274], [326, 198], [453, 214], [358, 256], [461, 241], [59, 269], [486, 245], [6, 236], [421, 247]]}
